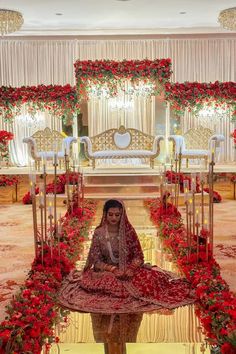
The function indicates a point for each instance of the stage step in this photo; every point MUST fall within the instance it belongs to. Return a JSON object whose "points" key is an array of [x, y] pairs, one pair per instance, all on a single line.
{"points": [[122, 179], [127, 189]]}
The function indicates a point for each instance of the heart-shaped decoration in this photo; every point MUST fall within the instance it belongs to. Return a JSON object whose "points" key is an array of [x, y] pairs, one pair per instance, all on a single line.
{"points": [[122, 141]]}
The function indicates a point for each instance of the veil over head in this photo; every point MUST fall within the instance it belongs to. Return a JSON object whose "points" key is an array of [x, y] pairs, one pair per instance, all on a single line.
{"points": [[127, 236]]}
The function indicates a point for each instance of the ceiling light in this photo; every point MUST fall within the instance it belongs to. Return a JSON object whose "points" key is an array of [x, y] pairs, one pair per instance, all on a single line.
{"points": [[182, 13], [58, 14], [227, 18], [10, 21]]}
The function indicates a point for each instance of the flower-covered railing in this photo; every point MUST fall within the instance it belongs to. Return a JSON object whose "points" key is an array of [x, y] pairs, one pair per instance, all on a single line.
{"points": [[111, 74], [60, 101], [33, 312], [195, 95], [216, 304]]}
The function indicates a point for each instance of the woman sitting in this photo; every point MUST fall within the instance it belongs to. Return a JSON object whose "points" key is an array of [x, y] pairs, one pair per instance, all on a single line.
{"points": [[115, 278]]}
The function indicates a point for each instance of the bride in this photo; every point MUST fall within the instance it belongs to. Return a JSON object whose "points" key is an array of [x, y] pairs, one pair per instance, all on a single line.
{"points": [[115, 278]]}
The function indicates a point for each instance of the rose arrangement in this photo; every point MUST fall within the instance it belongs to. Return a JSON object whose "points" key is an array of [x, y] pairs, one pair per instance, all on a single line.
{"points": [[8, 180], [111, 73], [60, 186], [216, 196], [5, 137], [233, 135], [60, 101], [216, 304], [194, 95], [33, 312], [173, 177]]}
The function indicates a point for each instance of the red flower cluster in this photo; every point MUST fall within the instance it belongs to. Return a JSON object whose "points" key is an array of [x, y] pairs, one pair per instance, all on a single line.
{"points": [[8, 180], [5, 137], [179, 178], [233, 135], [192, 94], [60, 186], [216, 306], [111, 72], [216, 196], [59, 100], [32, 313]]}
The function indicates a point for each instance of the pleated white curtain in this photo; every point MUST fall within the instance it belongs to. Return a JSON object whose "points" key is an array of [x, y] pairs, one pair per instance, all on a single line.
{"points": [[101, 116], [33, 62], [18, 150], [219, 125]]}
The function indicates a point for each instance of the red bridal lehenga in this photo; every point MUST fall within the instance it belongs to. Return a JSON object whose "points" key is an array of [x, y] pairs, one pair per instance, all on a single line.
{"points": [[97, 291]]}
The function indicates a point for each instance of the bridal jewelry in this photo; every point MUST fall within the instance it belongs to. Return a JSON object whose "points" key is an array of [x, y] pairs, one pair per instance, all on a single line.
{"points": [[108, 237]]}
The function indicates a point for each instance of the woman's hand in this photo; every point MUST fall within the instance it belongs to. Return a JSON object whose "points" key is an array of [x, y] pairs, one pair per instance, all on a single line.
{"points": [[129, 273], [118, 273]]}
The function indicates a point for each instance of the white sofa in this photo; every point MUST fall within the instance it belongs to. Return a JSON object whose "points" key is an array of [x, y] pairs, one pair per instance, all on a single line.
{"points": [[197, 144], [122, 143], [44, 144]]}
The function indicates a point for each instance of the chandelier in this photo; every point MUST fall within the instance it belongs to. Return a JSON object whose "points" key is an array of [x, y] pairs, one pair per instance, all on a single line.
{"points": [[227, 18], [10, 21]]}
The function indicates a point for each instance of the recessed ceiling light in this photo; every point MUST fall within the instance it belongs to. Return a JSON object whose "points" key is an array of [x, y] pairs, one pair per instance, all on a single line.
{"points": [[58, 14], [182, 12], [122, 0]]}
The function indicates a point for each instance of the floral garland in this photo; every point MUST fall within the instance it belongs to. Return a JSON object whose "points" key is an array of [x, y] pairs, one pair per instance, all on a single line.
{"points": [[111, 74], [32, 312], [6, 180], [194, 95], [60, 101], [216, 305], [5, 137]]}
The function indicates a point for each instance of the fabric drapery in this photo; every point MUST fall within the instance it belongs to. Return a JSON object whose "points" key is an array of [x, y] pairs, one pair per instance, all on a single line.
{"points": [[18, 150], [33, 62]]}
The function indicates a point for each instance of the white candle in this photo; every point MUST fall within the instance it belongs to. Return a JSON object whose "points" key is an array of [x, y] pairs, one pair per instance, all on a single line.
{"points": [[197, 216], [41, 199]]}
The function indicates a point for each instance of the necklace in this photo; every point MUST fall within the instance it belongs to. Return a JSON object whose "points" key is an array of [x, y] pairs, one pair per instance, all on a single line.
{"points": [[111, 254]]}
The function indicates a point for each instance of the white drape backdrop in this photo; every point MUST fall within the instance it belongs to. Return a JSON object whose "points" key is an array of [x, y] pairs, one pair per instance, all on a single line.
{"points": [[33, 62], [50, 61], [219, 125], [101, 116], [18, 150]]}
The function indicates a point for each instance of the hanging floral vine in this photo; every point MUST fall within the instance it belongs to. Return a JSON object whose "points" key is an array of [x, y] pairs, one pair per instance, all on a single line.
{"points": [[195, 95], [111, 74], [60, 101]]}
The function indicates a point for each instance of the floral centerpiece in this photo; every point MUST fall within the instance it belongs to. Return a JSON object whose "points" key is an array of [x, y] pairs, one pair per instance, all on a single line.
{"points": [[60, 101], [5, 137], [111, 74]]}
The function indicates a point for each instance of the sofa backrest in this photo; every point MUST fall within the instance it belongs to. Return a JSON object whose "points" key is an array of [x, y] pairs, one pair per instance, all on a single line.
{"points": [[122, 139]]}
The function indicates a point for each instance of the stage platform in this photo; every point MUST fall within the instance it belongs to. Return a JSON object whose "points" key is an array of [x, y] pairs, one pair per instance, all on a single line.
{"points": [[121, 170]]}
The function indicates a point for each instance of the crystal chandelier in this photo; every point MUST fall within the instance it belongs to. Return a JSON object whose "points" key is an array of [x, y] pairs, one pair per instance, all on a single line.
{"points": [[227, 18], [10, 21]]}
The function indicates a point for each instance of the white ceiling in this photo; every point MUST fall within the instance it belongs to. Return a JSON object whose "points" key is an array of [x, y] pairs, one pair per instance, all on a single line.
{"points": [[116, 17]]}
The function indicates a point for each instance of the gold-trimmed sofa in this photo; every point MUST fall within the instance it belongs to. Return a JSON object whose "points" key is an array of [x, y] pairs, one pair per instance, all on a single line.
{"points": [[46, 143], [196, 143], [122, 143]]}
